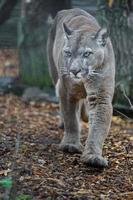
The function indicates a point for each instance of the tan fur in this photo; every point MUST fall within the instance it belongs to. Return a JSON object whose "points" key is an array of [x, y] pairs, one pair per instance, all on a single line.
{"points": [[82, 67]]}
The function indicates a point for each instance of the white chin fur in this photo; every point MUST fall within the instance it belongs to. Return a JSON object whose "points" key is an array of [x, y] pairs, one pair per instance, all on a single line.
{"points": [[79, 75], [72, 75]]}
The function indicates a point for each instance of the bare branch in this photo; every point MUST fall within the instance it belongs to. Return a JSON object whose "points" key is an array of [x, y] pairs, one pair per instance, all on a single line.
{"points": [[122, 114], [125, 95]]}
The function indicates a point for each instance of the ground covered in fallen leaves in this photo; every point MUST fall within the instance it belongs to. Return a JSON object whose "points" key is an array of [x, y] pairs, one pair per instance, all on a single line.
{"points": [[29, 154]]}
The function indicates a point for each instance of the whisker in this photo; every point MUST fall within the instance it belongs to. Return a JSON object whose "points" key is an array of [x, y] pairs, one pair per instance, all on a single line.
{"points": [[91, 72]]}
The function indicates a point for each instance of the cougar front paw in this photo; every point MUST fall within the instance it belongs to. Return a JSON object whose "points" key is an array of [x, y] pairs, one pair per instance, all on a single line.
{"points": [[71, 148], [94, 160]]}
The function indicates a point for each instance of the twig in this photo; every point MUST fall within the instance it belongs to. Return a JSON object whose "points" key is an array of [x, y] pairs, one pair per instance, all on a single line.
{"points": [[17, 144], [122, 114], [125, 95]]}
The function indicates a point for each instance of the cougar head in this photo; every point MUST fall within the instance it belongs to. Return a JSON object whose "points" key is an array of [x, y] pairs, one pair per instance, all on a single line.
{"points": [[83, 51]]}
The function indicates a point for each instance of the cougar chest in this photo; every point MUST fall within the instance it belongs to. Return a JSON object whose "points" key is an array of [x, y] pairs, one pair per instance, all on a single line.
{"points": [[76, 91]]}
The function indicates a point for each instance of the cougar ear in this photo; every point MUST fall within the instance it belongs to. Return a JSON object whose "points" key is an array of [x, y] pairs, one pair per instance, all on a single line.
{"points": [[67, 31], [101, 36]]}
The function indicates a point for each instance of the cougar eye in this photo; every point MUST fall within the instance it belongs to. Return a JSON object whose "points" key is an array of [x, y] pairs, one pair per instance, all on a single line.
{"points": [[68, 53], [87, 53]]}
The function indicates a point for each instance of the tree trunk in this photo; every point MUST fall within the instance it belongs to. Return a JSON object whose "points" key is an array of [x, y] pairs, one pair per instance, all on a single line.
{"points": [[117, 15], [32, 39]]}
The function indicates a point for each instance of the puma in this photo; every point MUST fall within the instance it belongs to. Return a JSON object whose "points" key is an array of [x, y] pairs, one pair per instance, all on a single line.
{"points": [[82, 66]]}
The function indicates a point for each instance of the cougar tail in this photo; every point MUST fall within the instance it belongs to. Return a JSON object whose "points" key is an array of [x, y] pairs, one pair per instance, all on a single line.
{"points": [[52, 68]]}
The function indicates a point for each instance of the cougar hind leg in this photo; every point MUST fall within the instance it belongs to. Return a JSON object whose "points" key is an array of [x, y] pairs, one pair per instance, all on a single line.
{"points": [[84, 111]]}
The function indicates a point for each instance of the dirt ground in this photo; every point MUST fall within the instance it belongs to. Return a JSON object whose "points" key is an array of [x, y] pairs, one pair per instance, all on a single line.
{"points": [[9, 63], [29, 138]]}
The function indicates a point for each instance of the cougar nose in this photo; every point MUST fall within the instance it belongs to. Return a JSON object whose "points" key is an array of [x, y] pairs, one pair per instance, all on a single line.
{"points": [[75, 71]]}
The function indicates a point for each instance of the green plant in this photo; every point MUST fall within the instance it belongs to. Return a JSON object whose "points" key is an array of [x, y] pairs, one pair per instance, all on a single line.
{"points": [[23, 197]]}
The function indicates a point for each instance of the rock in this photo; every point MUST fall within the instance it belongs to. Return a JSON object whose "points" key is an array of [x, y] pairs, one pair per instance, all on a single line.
{"points": [[6, 84], [36, 94]]}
